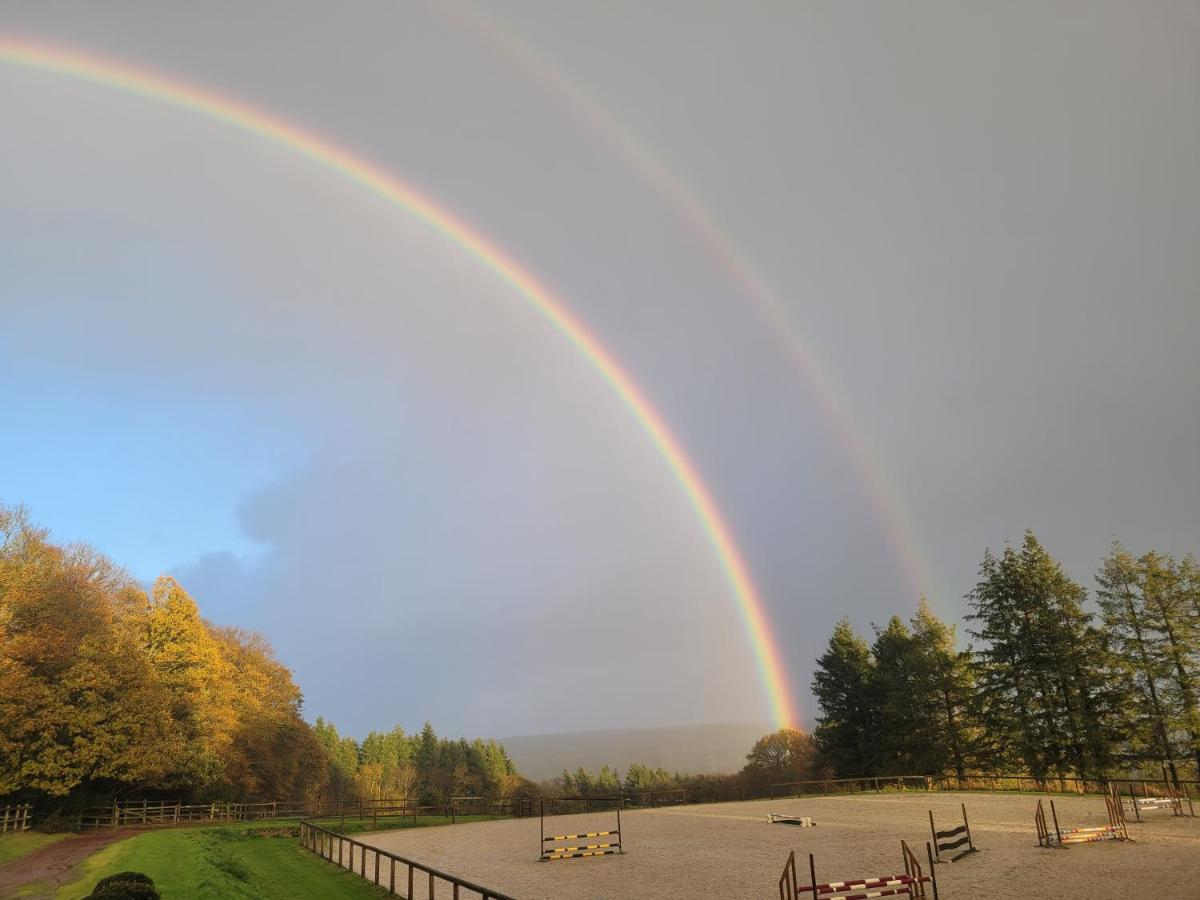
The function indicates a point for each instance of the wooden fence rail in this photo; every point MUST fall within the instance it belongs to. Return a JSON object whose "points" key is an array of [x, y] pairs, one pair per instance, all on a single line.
{"points": [[16, 818], [998, 783], [169, 813], [339, 849]]}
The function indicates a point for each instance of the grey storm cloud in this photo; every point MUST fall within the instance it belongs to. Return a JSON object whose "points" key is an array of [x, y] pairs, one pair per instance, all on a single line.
{"points": [[984, 220]]}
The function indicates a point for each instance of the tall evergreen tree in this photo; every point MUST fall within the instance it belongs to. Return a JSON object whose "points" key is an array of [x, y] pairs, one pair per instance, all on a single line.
{"points": [[842, 686], [1170, 607], [942, 680], [1042, 697], [1134, 658], [902, 732]]}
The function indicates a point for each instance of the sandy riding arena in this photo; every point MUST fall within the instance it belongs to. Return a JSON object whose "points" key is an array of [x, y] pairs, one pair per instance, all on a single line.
{"points": [[729, 850]]}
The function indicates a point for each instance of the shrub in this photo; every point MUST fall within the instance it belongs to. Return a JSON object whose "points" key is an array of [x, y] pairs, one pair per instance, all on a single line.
{"points": [[125, 886], [126, 890]]}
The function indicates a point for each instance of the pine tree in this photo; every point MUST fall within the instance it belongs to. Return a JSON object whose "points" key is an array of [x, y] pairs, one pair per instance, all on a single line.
{"points": [[842, 686], [901, 731], [1170, 608], [1134, 658], [945, 682], [1042, 698], [607, 782]]}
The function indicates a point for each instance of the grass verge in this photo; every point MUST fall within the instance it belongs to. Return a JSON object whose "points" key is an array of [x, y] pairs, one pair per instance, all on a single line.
{"points": [[247, 861], [219, 863], [15, 845]]}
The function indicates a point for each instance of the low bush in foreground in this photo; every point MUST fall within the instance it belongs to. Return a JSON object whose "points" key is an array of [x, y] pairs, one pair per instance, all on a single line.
{"points": [[125, 886]]}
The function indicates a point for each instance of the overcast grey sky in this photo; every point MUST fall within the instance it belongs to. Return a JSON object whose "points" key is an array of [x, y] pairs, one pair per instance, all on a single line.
{"points": [[224, 362]]}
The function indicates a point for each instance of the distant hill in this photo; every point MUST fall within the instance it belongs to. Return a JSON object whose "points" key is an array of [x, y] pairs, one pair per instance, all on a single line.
{"points": [[695, 749]]}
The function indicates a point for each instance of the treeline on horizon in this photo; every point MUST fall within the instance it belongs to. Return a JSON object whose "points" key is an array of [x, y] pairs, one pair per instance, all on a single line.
{"points": [[1053, 683], [109, 690], [395, 765], [782, 756]]}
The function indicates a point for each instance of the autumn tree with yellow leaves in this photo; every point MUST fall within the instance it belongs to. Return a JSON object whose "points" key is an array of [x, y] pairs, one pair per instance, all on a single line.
{"points": [[105, 689]]}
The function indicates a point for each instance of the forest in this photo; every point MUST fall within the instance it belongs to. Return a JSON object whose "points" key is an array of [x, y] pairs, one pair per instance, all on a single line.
{"points": [[108, 689], [1054, 682]]}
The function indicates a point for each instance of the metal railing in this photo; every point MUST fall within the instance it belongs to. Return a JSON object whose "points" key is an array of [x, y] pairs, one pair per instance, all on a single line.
{"points": [[339, 849]]}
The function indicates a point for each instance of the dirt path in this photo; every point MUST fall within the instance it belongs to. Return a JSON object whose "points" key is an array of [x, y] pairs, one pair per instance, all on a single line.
{"points": [[54, 863]]}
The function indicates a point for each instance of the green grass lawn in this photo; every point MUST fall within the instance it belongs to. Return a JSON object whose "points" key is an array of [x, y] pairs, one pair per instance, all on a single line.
{"points": [[14, 845], [249, 861]]}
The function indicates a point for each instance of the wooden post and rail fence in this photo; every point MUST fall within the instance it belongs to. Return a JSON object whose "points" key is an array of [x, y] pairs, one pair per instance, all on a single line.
{"points": [[147, 813], [1019, 784], [168, 813], [16, 818]]}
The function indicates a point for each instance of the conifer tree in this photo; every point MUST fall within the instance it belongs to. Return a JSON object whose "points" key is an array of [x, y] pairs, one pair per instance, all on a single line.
{"points": [[902, 731], [1134, 658], [1042, 698], [943, 677], [1170, 608], [842, 686]]}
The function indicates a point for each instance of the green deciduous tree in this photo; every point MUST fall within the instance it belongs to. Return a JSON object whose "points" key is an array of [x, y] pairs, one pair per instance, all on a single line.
{"points": [[784, 755]]}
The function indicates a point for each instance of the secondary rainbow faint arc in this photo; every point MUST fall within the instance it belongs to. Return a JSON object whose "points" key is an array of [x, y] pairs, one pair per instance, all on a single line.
{"points": [[92, 68], [886, 496]]}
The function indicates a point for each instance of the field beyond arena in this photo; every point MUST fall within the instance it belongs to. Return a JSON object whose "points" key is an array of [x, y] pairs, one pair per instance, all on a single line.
{"points": [[729, 850]]}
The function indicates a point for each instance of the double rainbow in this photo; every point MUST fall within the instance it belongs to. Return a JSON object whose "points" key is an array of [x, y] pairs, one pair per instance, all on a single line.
{"points": [[372, 178]]}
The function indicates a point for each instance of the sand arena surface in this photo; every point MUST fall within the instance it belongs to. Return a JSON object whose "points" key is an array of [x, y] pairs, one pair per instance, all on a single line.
{"points": [[728, 850]]}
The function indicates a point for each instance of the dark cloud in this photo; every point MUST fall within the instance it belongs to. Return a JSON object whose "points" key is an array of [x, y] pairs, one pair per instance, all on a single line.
{"points": [[985, 223]]}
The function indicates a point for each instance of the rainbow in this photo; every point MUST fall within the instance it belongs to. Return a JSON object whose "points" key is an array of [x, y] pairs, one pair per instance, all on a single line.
{"points": [[62, 61], [890, 507]]}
